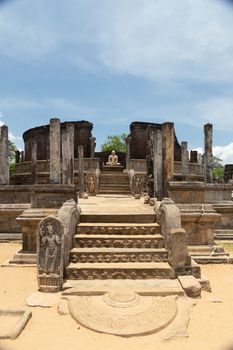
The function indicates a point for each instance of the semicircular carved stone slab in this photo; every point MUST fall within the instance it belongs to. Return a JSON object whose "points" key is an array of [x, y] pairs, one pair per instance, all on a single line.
{"points": [[123, 313]]}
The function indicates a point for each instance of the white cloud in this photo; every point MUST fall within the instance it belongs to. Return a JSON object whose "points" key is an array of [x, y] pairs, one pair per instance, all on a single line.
{"points": [[225, 153], [218, 111], [185, 40], [171, 40]]}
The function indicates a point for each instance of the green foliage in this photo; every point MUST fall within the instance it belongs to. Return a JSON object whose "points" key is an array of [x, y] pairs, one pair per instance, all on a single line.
{"points": [[114, 142], [218, 169]]}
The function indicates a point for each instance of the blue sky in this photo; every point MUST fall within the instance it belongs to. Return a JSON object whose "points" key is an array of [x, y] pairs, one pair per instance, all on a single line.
{"points": [[113, 62]]}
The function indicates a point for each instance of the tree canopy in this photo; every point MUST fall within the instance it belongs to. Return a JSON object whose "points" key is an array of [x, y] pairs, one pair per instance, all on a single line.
{"points": [[218, 169], [114, 142]]}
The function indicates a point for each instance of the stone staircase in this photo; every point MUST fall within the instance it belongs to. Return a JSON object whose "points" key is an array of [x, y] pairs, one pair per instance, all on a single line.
{"points": [[223, 234], [118, 247], [114, 181]]}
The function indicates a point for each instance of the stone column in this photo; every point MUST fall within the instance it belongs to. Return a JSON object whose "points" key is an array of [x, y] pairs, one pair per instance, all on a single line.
{"points": [[70, 129], [4, 152], [168, 154], [184, 159], [81, 185], [34, 162], [66, 156], [92, 144], [55, 151], [208, 153], [193, 157], [22, 156], [158, 165], [17, 157], [128, 141]]}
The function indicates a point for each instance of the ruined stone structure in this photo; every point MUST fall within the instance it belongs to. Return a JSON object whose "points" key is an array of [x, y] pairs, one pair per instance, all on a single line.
{"points": [[59, 162]]}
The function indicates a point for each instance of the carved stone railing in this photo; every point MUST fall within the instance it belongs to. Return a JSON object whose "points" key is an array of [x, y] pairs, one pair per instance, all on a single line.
{"points": [[54, 242], [176, 242]]}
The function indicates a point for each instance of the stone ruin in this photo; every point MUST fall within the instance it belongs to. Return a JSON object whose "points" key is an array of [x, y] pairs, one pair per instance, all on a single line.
{"points": [[40, 204]]}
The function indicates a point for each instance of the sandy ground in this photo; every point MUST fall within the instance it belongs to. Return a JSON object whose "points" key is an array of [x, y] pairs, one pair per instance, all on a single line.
{"points": [[210, 327]]}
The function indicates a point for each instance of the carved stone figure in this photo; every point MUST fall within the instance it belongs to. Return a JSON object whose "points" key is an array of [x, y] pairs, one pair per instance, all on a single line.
{"points": [[113, 159], [91, 184], [49, 253], [137, 184]]}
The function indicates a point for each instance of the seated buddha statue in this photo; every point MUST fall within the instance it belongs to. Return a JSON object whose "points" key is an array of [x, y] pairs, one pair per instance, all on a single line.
{"points": [[113, 159]]}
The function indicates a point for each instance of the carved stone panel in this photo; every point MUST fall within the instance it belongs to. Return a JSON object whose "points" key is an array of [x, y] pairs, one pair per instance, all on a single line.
{"points": [[91, 184], [49, 254], [137, 184]]}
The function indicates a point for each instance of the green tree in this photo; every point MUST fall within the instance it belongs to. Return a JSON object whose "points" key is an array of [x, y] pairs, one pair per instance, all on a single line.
{"points": [[114, 142], [218, 169]]}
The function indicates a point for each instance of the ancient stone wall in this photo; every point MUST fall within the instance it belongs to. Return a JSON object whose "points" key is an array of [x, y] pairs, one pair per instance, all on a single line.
{"points": [[82, 135]]}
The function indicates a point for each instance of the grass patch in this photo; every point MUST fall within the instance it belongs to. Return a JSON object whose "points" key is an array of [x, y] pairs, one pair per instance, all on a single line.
{"points": [[228, 246]]}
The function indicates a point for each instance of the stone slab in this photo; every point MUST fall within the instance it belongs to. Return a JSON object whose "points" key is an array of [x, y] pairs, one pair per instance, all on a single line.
{"points": [[179, 327], [43, 299], [5, 237], [191, 286], [159, 287], [12, 322], [123, 312]]}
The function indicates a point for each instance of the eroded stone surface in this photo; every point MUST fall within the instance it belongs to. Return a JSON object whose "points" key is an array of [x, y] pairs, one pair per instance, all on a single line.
{"points": [[43, 299], [123, 313], [12, 322], [191, 286]]}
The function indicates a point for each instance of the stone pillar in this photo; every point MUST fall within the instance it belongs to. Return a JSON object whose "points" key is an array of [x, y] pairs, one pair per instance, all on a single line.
{"points": [[184, 159], [92, 144], [208, 153], [4, 152], [70, 129], [81, 185], [34, 162], [128, 141], [193, 157], [66, 156], [199, 158], [168, 154], [158, 165], [55, 151], [17, 157], [22, 156]]}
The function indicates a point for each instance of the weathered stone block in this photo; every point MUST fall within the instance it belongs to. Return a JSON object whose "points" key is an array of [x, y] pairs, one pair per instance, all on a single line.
{"points": [[191, 286]]}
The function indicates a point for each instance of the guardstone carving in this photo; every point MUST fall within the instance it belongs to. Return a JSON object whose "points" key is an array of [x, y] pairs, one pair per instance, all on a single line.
{"points": [[49, 254], [137, 184], [91, 184]]}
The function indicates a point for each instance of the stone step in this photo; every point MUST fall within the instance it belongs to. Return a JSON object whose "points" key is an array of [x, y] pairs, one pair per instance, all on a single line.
{"points": [[117, 228], [118, 241], [10, 237], [114, 189], [222, 259], [117, 218], [119, 271], [206, 250], [222, 234], [113, 169], [117, 255], [115, 185], [158, 287], [114, 176], [116, 192]]}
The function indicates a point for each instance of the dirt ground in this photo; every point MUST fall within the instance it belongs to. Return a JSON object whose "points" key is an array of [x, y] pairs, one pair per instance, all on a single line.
{"points": [[210, 326]]}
